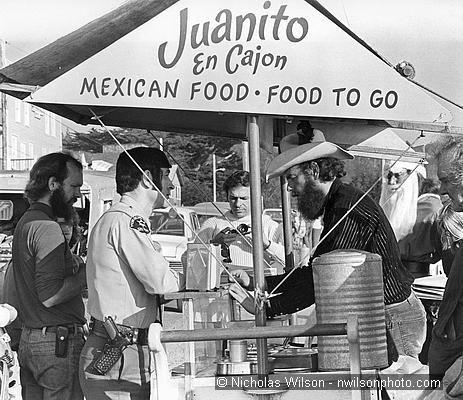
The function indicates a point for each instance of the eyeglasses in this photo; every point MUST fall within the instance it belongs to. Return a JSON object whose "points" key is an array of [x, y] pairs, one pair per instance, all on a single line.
{"points": [[396, 175]]}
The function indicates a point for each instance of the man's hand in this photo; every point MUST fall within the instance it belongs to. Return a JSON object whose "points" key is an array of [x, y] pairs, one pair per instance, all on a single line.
{"points": [[226, 236], [266, 242], [241, 277], [242, 296]]}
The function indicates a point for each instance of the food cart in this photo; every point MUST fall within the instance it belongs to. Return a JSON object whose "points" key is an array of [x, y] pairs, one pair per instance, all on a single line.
{"points": [[240, 69]]}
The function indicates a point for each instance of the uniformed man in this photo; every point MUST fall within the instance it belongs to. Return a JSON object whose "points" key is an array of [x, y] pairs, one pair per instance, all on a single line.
{"points": [[125, 275]]}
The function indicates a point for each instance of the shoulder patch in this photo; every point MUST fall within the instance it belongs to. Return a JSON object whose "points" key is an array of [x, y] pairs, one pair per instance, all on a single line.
{"points": [[139, 224]]}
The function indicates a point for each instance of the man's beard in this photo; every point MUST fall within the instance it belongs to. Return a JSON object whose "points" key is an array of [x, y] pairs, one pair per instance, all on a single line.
{"points": [[400, 206], [310, 201], [59, 206]]}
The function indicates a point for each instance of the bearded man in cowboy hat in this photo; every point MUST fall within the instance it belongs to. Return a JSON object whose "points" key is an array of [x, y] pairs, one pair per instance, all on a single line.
{"points": [[312, 168]]}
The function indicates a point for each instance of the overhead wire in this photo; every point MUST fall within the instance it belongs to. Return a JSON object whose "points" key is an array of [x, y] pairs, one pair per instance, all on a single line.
{"points": [[410, 145], [243, 237], [435, 93], [97, 118], [325, 12]]}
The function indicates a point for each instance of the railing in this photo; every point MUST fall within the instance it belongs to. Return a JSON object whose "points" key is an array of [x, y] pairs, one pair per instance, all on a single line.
{"points": [[350, 329], [21, 164]]}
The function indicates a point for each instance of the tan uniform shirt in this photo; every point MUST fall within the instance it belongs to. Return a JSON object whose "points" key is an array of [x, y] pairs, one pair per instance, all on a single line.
{"points": [[124, 271]]}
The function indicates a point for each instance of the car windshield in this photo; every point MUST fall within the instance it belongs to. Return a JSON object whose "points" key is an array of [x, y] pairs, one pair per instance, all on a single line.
{"points": [[162, 224], [276, 215]]}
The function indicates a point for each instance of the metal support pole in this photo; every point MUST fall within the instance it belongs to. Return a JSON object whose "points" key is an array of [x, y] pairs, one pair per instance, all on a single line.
{"points": [[3, 113], [4, 131], [257, 238], [245, 147], [287, 228], [214, 179], [200, 335]]}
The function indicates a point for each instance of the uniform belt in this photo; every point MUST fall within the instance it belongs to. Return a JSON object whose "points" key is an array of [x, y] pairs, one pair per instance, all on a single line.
{"points": [[138, 335]]}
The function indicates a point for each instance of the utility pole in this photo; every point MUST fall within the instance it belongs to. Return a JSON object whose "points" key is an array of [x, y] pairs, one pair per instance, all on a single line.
{"points": [[3, 112]]}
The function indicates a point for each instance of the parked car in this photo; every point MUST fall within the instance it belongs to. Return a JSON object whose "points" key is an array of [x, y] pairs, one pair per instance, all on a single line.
{"points": [[12, 207], [208, 209], [169, 230], [275, 213]]}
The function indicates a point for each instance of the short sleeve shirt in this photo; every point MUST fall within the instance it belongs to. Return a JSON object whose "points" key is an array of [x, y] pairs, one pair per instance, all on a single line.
{"points": [[42, 261], [125, 271]]}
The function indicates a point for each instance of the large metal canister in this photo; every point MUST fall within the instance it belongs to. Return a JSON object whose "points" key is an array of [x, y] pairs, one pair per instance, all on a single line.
{"points": [[350, 282]]}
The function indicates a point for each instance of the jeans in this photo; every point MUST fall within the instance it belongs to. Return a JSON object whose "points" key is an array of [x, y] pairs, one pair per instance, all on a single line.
{"points": [[406, 323], [128, 379], [45, 376]]}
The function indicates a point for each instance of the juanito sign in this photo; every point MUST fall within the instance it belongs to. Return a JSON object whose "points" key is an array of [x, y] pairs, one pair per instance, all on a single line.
{"points": [[266, 57]]}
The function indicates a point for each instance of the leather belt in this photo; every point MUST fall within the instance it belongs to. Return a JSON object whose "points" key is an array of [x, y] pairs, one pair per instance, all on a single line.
{"points": [[72, 329], [138, 335]]}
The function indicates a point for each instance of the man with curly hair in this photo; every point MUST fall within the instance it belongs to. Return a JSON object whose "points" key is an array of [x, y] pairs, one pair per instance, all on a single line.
{"points": [[313, 170], [48, 282]]}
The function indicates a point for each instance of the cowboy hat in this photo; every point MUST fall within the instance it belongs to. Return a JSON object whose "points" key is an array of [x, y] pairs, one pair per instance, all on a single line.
{"points": [[295, 150]]}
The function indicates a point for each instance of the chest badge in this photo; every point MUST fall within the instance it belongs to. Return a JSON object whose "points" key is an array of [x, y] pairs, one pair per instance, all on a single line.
{"points": [[139, 224]]}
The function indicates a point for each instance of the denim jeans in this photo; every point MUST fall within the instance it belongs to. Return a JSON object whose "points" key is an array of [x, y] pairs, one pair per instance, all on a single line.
{"points": [[406, 323], [45, 376], [128, 379]]}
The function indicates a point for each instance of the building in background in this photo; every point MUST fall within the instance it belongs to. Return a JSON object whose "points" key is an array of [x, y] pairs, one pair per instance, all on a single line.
{"points": [[26, 131]]}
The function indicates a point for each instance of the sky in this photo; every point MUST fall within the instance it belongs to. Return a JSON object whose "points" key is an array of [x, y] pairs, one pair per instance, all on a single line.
{"points": [[427, 33]]}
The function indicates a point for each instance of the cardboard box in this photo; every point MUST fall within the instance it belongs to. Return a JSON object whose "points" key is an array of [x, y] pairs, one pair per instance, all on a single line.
{"points": [[202, 269]]}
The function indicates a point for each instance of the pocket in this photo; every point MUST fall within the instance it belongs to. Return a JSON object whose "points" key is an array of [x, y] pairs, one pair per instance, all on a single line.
{"points": [[43, 345]]}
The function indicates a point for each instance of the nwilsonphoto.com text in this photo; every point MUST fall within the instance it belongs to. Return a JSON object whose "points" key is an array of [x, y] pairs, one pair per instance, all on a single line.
{"points": [[326, 382]]}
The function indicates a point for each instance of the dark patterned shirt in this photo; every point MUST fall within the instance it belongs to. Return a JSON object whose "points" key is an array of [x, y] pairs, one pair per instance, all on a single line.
{"points": [[365, 228]]}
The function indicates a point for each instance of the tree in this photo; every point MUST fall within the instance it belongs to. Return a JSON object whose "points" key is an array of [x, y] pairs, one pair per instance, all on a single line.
{"points": [[192, 153]]}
